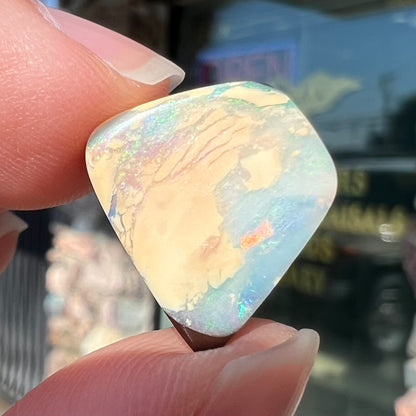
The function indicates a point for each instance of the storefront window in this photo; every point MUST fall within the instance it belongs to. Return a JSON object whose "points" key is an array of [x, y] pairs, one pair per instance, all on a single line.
{"points": [[350, 67]]}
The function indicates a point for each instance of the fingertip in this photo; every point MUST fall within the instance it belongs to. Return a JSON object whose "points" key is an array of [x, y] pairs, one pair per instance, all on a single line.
{"points": [[264, 332], [267, 382], [10, 228], [57, 92], [8, 244]]}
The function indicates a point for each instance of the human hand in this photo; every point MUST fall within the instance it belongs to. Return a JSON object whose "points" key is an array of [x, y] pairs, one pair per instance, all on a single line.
{"points": [[55, 91]]}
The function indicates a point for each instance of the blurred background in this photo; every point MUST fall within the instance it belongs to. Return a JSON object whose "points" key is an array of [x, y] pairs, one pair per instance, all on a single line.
{"points": [[350, 66]]}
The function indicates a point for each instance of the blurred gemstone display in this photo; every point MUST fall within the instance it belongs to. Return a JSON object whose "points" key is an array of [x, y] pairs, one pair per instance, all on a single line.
{"points": [[213, 193]]}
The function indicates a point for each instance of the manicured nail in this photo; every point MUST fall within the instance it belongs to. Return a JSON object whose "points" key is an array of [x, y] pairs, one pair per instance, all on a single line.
{"points": [[10, 222], [267, 383], [129, 58], [304, 352]]}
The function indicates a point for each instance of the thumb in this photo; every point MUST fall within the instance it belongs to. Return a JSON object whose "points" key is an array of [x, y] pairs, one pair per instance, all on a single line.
{"points": [[60, 77], [262, 370], [270, 382]]}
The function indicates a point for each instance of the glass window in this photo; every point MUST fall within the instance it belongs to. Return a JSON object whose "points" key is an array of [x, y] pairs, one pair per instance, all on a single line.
{"points": [[350, 66]]}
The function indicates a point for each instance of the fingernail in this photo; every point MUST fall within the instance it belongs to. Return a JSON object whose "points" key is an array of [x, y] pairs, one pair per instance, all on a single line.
{"points": [[307, 345], [267, 383], [10, 222], [129, 58]]}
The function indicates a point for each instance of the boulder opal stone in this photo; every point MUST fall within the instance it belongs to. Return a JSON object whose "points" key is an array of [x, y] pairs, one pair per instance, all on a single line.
{"points": [[213, 193]]}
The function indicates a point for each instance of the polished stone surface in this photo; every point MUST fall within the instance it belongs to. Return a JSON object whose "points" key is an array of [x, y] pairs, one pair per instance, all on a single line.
{"points": [[213, 193]]}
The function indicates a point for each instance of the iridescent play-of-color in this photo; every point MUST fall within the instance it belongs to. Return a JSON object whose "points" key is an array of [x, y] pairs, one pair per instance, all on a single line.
{"points": [[213, 193]]}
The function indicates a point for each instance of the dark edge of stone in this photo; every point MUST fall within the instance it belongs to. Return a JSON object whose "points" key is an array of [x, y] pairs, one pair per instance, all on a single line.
{"points": [[197, 340]]}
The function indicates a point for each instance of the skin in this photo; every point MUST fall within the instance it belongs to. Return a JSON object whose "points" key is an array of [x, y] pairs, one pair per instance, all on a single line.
{"points": [[48, 114]]}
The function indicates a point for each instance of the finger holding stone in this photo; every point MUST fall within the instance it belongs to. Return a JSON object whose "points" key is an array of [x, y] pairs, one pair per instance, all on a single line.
{"points": [[57, 89]]}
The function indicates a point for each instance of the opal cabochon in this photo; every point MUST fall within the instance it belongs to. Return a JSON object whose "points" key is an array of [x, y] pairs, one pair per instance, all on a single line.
{"points": [[213, 193]]}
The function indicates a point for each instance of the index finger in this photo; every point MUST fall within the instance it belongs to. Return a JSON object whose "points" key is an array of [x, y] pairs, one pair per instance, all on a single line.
{"points": [[56, 91]]}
